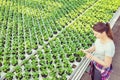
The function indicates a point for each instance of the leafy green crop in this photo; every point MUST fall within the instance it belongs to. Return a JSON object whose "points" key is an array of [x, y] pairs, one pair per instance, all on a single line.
{"points": [[41, 39]]}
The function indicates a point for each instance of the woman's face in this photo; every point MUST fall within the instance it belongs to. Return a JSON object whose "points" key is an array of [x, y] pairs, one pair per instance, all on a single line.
{"points": [[97, 34]]}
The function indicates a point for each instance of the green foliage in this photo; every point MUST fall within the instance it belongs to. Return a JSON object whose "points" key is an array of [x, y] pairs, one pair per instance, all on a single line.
{"points": [[24, 25]]}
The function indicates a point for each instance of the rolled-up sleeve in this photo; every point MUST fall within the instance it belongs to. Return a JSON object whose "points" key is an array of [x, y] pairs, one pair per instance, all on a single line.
{"points": [[110, 50]]}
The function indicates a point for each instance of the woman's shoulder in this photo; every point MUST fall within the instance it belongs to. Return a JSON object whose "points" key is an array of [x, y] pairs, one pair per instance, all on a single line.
{"points": [[110, 43]]}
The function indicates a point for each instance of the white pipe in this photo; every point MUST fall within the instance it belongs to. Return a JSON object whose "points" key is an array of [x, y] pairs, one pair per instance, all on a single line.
{"points": [[114, 18]]}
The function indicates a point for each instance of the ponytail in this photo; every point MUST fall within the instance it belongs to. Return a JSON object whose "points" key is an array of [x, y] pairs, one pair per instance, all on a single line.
{"points": [[109, 31], [101, 27]]}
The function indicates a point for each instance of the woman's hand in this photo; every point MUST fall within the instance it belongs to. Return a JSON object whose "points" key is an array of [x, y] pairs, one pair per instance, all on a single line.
{"points": [[89, 50], [88, 55], [83, 50]]}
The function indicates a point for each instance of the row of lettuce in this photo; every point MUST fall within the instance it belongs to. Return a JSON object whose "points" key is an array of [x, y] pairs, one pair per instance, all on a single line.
{"points": [[21, 31], [29, 30]]}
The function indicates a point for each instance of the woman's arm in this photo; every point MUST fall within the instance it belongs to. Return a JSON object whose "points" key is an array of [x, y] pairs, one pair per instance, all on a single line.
{"points": [[106, 63], [90, 50]]}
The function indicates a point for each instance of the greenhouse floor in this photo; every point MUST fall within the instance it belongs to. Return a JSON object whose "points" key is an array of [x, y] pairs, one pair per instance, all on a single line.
{"points": [[116, 60]]}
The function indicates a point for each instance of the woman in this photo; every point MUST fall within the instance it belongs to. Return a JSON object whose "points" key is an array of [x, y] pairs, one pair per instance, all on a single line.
{"points": [[103, 49]]}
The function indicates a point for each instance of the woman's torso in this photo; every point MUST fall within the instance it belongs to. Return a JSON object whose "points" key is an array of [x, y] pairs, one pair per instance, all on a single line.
{"points": [[101, 49]]}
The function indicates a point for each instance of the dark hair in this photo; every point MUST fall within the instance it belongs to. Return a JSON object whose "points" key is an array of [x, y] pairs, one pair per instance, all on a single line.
{"points": [[101, 27]]}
